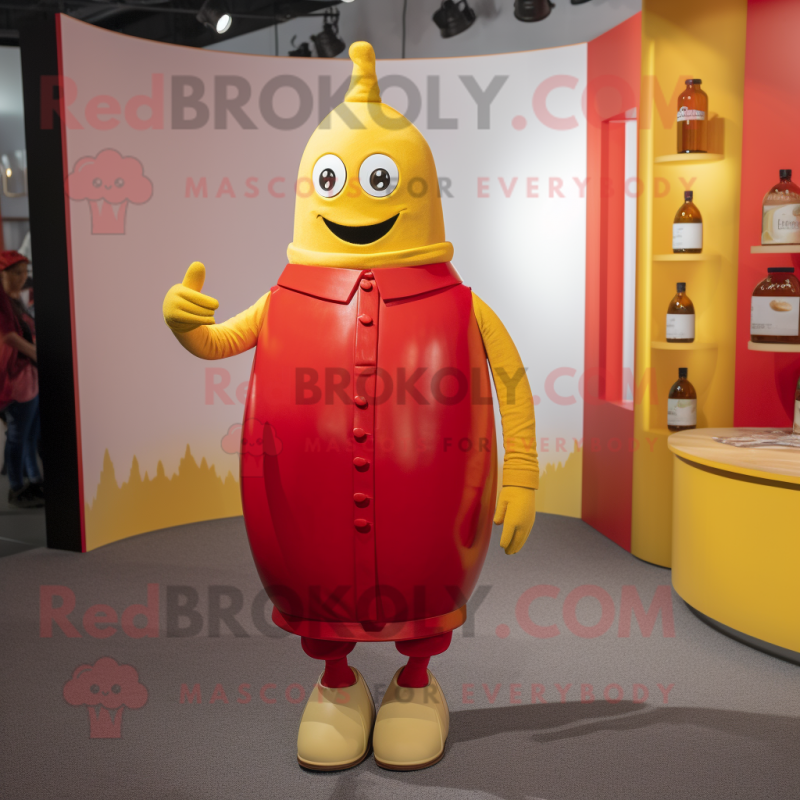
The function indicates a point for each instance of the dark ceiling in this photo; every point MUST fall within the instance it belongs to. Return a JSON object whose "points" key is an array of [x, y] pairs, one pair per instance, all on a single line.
{"points": [[163, 20]]}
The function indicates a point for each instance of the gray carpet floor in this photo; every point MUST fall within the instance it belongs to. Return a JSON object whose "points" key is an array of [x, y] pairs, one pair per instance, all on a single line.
{"points": [[730, 726]]}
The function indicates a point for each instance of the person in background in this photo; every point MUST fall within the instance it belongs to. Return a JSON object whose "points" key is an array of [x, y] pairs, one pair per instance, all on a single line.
{"points": [[19, 384]]}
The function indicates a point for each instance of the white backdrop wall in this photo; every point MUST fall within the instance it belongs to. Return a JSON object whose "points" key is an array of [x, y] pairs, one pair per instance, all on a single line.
{"points": [[514, 210]]}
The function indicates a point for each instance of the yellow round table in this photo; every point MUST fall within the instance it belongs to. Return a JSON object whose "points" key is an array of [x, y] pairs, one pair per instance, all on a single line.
{"points": [[736, 537]]}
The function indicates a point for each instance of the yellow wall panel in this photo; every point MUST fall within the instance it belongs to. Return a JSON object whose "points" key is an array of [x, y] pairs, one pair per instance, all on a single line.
{"points": [[682, 39]]}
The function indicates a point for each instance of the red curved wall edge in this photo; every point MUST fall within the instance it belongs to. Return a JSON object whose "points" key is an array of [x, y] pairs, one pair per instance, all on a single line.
{"points": [[614, 60]]}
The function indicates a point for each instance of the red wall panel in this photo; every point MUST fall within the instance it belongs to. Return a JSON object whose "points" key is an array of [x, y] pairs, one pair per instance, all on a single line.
{"points": [[764, 386], [614, 65]]}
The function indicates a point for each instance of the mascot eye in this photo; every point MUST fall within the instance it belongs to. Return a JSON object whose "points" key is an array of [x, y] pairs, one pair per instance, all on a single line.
{"points": [[378, 175], [116, 688], [94, 689], [97, 183], [119, 183], [329, 176]]}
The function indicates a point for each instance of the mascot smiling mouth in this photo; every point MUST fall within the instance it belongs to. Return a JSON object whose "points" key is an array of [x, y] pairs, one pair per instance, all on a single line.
{"points": [[361, 234]]}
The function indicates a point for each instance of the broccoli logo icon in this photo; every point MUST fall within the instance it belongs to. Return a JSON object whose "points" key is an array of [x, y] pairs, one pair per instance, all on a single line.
{"points": [[106, 688], [252, 441], [109, 181]]}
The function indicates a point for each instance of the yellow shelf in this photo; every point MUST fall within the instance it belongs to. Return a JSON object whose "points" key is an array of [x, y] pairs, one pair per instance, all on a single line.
{"points": [[689, 158], [662, 345], [776, 248], [773, 348], [686, 257]]}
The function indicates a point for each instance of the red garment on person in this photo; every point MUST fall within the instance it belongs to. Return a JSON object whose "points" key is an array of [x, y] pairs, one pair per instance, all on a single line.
{"points": [[368, 466]]}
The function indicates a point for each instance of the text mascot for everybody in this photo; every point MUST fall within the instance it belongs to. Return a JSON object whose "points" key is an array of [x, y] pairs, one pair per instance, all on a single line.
{"points": [[368, 467]]}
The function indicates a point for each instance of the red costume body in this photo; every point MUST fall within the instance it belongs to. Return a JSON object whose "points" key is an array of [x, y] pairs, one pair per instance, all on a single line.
{"points": [[368, 452]]}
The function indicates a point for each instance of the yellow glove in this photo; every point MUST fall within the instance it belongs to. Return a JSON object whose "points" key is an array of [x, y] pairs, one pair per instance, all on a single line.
{"points": [[516, 511], [185, 308]]}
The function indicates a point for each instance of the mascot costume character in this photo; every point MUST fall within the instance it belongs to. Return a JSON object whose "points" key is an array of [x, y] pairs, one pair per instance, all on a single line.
{"points": [[368, 458]]}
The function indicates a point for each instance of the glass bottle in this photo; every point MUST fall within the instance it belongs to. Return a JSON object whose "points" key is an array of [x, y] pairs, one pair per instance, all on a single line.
{"points": [[687, 227], [796, 426], [693, 119], [680, 317], [775, 308], [682, 403], [780, 222]]}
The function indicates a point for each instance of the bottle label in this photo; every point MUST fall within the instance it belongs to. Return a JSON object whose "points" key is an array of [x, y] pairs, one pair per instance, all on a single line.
{"points": [[781, 224], [681, 412], [796, 426], [775, 316], [687, 236], [680, 326], [686, 114]]}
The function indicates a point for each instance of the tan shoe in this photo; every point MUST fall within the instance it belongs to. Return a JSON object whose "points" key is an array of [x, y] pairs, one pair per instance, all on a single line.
{"points": [[411, 727], [336, 727]]}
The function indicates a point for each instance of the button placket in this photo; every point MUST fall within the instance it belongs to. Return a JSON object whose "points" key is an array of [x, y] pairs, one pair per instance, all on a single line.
{"points": [[364, 373]]}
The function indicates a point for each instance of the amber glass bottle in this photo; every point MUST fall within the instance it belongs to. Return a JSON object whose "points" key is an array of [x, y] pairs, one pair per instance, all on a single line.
{"points": [[780, 222], [693, 119], [680, 317], [796, 426], [775, 308], [682, 404], [687, 227]]}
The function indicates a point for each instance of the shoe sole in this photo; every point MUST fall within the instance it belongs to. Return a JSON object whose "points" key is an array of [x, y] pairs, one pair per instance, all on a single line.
{"points": [[410, 767], [26, 505], [337, 767]]}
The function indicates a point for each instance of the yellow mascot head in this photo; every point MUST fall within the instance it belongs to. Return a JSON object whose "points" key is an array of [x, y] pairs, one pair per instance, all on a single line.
{"points": [[367, 189]]}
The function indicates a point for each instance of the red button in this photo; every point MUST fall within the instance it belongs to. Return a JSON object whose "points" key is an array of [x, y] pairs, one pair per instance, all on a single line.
{"points": [[366, 286], [360, 401], [360, 462], [362, 523], [359, 433], [360, 497], [368, 275], [365, 319]]}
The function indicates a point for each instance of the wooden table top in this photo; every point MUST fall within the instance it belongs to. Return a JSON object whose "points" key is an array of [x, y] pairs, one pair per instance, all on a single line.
{"points": [[771, 463]]}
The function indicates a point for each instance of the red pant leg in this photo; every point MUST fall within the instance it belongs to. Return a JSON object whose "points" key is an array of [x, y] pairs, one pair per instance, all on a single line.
{"points": [[337, 674], [419, 651]]}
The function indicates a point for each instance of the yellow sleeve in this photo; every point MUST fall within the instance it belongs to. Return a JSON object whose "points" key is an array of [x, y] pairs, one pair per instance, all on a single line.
{"points": [[521, 463], [229, 338]]}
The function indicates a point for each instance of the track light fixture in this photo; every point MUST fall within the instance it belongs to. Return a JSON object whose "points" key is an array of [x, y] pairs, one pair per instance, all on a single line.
{"points": [[327, 43], [303, 51], [578, 2], [453, 18], [214, 14], [532, 10]]}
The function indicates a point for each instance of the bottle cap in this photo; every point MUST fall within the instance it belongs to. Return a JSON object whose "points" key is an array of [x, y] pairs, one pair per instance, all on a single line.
{"points": [[786, 173], [681, 287], [688, 196], [695, 81], [683, 372], [780, 269]]}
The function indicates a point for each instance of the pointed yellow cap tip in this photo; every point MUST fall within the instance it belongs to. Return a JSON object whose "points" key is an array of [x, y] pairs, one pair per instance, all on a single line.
{"points": [[364, 81]]}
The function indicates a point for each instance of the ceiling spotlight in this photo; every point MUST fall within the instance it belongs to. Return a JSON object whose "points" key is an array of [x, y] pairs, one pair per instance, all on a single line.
{"points": [[328, 44], [532, 10], [303, 51], [214, 14], [453, 18], [574, 2]]}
